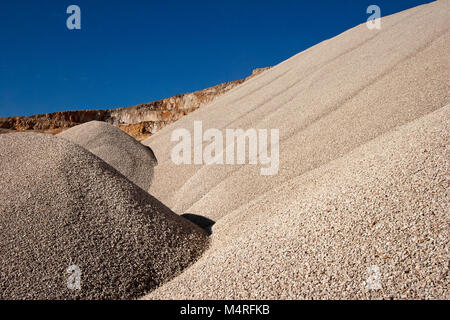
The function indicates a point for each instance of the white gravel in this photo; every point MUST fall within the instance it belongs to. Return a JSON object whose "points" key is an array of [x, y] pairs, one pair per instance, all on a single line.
{"points": [[359, 208], [60, 206], [383, 206]]}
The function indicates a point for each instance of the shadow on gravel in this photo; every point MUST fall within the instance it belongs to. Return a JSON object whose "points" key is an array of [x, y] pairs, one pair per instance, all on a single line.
{"points": [[203, 222]]}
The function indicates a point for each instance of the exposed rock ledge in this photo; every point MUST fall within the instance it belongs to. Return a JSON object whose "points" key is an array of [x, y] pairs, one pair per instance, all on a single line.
{"points": [[139, 121]]}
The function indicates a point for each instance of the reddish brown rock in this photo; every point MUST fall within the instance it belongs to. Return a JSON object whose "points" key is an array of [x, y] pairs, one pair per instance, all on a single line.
{"points": [[139, 121]]}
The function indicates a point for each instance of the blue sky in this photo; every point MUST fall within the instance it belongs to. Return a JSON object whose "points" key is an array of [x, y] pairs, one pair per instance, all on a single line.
{"points": [[136, 51]]}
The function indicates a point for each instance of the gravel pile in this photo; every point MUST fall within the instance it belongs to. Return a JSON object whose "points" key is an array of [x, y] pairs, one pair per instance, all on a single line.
{"points": [[131, 158], [361, 193], [371, 225], [325, 101], [68, 215], [359, 208]]}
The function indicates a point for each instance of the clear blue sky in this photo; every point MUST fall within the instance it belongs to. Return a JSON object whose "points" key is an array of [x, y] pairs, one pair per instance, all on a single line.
{"points": [[136, 51]]}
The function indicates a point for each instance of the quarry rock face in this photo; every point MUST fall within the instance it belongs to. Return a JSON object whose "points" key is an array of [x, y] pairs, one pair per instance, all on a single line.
{"points": [[49, 121], [139, 121]]}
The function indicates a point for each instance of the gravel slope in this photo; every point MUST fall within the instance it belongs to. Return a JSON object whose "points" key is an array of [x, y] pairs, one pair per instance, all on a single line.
{"points": [[363, 178], [60, 206]]}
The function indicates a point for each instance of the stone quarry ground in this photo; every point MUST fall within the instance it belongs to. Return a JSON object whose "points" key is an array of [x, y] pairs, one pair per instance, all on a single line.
{"points": [[358, 209]]}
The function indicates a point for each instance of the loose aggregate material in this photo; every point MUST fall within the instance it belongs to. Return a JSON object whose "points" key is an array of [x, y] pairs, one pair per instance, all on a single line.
{"points": [[361, 198], [63, 210], [131, 158], [358, 210]]}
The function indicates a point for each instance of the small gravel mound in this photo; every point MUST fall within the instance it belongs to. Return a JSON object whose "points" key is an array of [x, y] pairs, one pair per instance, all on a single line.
{"points": [[130, 157], [73, 227]]}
